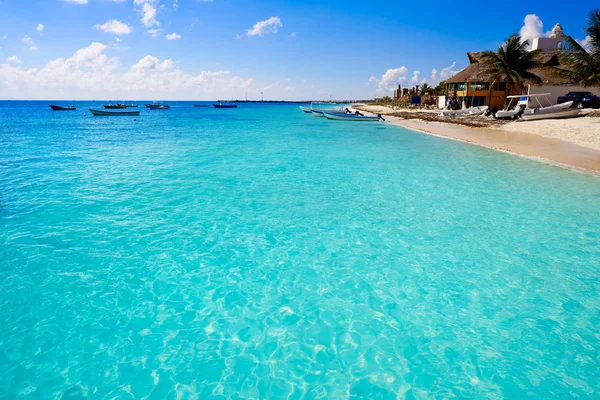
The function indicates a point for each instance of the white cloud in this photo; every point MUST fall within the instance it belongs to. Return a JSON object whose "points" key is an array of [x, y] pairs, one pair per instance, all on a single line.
{"points": [[586, 43], [39, 28], [265, 27], [416, 77], [147, 9], [115, 26], [391, 79], [175, 4], [154, 32], [173, 36], [14, 60], [444, 74], [152, 63], [294, 34], [76, 1], [91, 73], [27, 41], [3, 37], [532, 28]]}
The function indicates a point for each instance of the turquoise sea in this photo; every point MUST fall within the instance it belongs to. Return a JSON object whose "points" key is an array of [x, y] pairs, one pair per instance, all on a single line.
{"points": [[264, 253]]}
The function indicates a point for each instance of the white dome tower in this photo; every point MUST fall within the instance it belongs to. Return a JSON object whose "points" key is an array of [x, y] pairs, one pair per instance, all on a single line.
{"points": [[557, 32]]}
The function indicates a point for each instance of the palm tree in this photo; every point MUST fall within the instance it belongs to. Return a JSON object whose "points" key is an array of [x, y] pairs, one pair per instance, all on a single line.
{"points": [[426, 89], [584, 65], [512, 64]]}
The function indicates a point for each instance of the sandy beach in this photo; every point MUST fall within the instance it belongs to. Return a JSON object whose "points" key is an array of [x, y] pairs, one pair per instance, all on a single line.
{"points": [[574, 142]]}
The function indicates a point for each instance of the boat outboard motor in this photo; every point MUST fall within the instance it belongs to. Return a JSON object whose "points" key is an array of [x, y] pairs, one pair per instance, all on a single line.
{"points": [[380, 117], [358, 113], [491, 111], [348, 111]]}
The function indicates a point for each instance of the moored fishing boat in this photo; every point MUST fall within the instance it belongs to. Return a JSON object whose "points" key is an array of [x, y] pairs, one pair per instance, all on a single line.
{"points": [[60, 108], [114, 106], [159, 107], [102, 113], [317, 109], [305, 109], [222, 104], [339, 116]]}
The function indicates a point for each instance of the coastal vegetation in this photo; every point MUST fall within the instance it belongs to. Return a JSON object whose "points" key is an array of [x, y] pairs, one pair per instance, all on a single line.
{"points": [[512, 63], [583, 61]]}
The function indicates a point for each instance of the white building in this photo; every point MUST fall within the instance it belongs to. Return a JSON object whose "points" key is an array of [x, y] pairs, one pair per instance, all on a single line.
{"points": [[551, 43], [551, 46]]}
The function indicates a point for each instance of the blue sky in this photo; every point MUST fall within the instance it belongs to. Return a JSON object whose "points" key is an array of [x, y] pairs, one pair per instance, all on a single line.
{"points": [[227, 48]]}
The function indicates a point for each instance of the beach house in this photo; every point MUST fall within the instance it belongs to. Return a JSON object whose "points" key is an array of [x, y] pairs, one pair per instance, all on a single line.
{"points": [[472, 87]]}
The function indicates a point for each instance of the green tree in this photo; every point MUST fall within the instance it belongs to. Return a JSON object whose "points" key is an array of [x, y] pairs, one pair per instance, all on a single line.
{"points": [[387, 99], [440, 88], [583, 64], [512, 63], [426, 89]]}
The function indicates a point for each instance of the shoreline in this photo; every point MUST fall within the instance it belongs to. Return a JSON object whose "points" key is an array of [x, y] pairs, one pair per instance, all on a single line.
{"points": [[549, 150]]}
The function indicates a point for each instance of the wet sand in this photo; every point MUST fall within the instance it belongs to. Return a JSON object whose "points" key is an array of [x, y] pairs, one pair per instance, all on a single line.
{"points": [[580, 153], [554, 151]]}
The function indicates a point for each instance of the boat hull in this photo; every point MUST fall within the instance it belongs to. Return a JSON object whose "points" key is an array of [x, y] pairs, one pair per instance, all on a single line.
{"points": [[350, 117], [568, 113], [162, 107], [225, 105], [511, 114], [305, 109], [59, 108], [318, 114], [465, 111], [102, 113]]}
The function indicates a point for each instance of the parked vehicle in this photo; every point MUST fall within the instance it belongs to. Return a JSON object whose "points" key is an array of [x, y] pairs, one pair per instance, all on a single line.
{"points": [[581, 99]]}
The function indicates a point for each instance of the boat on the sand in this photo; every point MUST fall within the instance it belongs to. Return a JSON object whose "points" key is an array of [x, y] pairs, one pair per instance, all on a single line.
{"points": [[539, 109], [464, 111]]}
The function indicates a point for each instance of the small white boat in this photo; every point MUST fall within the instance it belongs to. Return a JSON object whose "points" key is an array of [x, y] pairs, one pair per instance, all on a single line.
{"points": [[317, 109], [305, 109], [548, 111], [512, 110], [550, 114], [338, 116], [464, 111]]}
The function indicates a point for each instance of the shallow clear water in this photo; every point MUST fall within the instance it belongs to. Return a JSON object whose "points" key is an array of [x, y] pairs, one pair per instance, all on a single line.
{"points": [[262, 252]]}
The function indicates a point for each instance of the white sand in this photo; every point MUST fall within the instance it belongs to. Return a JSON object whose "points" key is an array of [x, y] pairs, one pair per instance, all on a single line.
{"points": [[584, 131]]}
